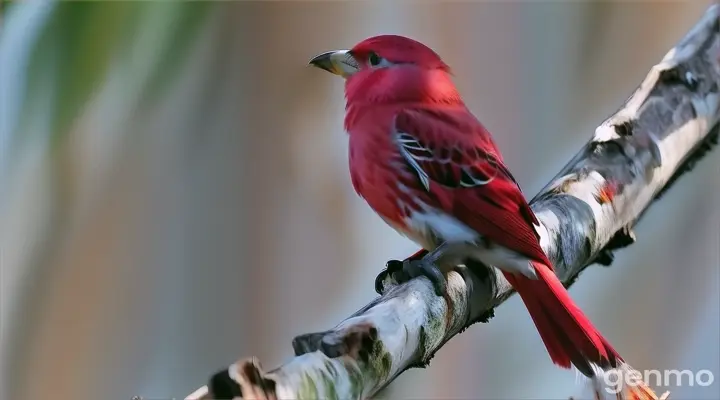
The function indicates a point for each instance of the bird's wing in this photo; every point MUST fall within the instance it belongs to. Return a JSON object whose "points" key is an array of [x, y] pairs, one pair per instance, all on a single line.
{"points": [[454, 157]]}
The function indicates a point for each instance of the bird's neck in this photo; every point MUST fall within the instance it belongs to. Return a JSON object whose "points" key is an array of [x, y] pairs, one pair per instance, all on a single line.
{"points": [[396, 88]]}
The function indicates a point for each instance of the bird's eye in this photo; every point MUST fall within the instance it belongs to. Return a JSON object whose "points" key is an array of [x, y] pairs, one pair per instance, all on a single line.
{"points": [[374, 59]]}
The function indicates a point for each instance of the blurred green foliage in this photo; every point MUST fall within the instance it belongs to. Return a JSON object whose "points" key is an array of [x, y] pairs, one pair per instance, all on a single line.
{"points": [[79, 49], [81, 42], [75, 47]]}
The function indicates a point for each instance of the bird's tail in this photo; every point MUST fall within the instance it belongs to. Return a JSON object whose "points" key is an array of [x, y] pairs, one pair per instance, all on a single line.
{"points": [[568, 334]]}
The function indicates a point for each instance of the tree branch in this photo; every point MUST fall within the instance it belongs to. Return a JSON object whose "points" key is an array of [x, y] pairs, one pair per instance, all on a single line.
{"points": [[586, 212]]}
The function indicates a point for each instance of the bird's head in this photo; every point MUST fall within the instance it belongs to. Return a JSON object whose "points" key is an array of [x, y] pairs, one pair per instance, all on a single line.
{"points": [[390, 69], [377, 52]]}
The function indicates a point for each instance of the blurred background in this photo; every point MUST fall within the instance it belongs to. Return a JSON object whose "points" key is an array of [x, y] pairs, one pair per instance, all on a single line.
{"points": [[174, 191]]}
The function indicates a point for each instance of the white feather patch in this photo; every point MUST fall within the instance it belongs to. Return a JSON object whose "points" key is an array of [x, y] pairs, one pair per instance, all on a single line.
{"points": [[429, 223], [406, 143]]}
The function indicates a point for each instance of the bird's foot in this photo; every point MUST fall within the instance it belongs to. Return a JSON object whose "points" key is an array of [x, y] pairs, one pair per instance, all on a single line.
{"points": [[425, 267], [388, 276], [432, 265], [393, 272], [403, 271]]}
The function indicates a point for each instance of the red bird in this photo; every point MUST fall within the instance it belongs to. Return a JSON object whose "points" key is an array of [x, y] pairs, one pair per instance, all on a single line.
{"points": [[431, 170]]}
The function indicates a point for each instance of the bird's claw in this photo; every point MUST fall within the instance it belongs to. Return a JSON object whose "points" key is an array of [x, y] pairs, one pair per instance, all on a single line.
{"points": [[393, 270], [423, 267], [404, 271]]}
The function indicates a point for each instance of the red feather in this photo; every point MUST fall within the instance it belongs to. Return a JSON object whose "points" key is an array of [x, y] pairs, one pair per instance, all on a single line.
{"points": [[455, 150], [455, 159], [412, 138]]}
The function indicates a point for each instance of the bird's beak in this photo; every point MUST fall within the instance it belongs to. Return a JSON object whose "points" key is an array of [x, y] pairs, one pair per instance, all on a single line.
{"points": [[338, 62]]}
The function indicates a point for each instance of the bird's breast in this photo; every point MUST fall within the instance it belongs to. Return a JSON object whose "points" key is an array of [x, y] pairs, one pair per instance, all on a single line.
{"points": [[375, 174], [380, 177]]}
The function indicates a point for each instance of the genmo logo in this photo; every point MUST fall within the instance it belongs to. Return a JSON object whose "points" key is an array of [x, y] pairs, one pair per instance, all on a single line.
{"points": [[616, 380]]}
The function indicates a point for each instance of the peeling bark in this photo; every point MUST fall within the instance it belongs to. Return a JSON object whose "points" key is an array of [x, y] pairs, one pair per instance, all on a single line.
{"points": [[587, 211]]}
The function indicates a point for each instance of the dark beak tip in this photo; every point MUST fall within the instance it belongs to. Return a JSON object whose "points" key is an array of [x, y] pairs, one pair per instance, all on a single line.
{"points": [[320, 58], [315, 62]]}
